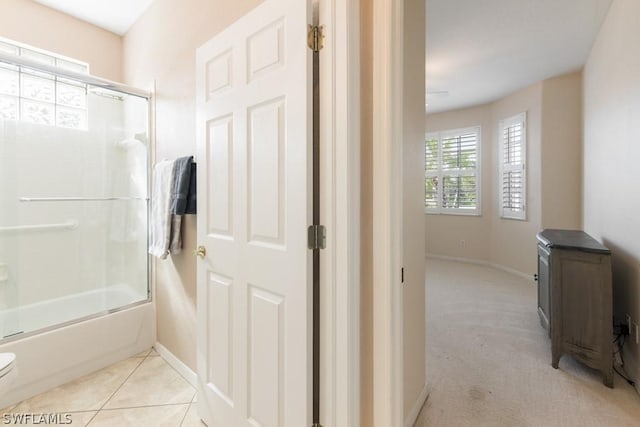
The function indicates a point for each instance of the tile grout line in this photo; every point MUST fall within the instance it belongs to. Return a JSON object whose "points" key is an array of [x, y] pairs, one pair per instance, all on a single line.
{"points": [[184, 417], [189, 408], [145, 406], [119, 387]]}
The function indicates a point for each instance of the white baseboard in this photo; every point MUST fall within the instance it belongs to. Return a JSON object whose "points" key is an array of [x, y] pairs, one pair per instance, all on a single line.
{"points": [[412, 417], [177, 364], [525, 276], [506, 269]]}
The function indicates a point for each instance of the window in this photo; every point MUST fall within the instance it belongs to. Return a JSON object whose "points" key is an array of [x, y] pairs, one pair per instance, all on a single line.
{"points": [[513, 173], [452, 172], [41, 97]]}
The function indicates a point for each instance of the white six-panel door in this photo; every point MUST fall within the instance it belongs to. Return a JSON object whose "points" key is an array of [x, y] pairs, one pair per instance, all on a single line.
{"points": [[254, 298]]}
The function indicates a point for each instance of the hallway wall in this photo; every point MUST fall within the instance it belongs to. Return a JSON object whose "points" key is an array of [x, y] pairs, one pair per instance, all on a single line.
{"points": [[611, 198], [366, 213], [413, 245]]}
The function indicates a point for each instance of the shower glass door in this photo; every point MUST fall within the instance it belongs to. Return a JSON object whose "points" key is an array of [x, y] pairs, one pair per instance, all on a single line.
{"points": [[74, 168]]}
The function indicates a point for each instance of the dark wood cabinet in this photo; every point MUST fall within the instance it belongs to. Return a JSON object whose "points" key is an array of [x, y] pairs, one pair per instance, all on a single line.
{"points": [[575, 298]]}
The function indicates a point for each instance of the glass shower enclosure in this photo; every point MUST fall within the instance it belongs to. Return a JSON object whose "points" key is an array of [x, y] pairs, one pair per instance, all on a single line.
{"points": [[74, 173]]}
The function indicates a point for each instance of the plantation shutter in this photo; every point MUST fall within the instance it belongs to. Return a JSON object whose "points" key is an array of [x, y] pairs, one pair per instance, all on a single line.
{"points": [[512, 171], [451, 172], [432, 167], [459, 157]]}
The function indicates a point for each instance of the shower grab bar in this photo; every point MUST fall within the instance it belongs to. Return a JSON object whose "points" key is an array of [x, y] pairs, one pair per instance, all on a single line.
{"points": [[77, 199], [69, 225]]}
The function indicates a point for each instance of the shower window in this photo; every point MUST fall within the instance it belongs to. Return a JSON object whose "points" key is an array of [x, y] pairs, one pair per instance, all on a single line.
{"points": [[42, 98]]}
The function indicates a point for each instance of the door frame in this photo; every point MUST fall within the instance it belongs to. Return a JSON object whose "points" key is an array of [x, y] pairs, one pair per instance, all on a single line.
{"points": [[388, 70], [340, 195], [340, 212]]}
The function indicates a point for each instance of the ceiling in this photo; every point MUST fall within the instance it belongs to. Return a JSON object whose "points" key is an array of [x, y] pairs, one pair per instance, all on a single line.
{"points": [[477, 51], [480, 51], [116, 16]]}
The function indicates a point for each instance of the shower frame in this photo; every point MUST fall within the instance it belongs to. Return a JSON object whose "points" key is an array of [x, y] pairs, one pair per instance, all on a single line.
{"points": [[118, 87]]}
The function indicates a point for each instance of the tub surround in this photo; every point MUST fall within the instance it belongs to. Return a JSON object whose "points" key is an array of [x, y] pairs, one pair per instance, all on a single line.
{"points": [[56, 357]]}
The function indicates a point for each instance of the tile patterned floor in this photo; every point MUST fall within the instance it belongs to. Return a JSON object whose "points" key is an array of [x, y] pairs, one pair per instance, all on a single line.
{"points": [[140, 391]]}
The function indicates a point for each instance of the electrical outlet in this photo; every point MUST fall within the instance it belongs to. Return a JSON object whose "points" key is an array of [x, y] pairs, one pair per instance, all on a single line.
{"points": [[462, 243]]}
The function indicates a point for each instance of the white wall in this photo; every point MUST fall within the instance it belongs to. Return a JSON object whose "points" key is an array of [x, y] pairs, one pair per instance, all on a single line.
{"points": [[561, 156], [611, 196]]}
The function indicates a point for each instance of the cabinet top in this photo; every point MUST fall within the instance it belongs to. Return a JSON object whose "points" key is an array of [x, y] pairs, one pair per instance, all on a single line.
{"points": [[571, 239]]}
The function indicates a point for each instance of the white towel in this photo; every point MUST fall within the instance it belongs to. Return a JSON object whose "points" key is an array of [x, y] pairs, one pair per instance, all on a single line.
{"points": [[161, 218]]}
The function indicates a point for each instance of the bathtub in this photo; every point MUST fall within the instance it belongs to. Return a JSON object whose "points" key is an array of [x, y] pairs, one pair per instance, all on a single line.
{"points": [[93, 331]]}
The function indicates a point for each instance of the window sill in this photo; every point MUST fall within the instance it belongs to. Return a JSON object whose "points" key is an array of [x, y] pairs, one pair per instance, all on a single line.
{"points": [[462, 214]]}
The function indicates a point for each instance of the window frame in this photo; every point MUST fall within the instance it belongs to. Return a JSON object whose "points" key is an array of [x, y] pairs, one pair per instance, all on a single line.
{"points": [[505, 213], [439, 173]]}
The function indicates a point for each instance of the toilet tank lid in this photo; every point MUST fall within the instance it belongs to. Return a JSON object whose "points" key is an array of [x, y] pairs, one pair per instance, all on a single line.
{"points": [[6, 359]]}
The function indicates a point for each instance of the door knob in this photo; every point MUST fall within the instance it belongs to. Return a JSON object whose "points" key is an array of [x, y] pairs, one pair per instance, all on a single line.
{"points": [[200, 251]]}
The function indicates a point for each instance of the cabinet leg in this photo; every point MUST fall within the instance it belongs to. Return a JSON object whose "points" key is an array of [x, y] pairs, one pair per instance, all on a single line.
{"points": [[555, 355], [607, 379]]}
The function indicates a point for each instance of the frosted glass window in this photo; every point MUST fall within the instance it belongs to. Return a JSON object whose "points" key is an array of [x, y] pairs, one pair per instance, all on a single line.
{"points": [[9, 82], [37, 112], [38, 88], [9, 107], [8, 48], [37, 56], [72, 96], [39, 96], [71, 118], [72, 66]]}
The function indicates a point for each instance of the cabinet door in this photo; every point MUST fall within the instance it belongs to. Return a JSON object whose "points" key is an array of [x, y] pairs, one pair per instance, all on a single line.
{"points": [[544, 309]]}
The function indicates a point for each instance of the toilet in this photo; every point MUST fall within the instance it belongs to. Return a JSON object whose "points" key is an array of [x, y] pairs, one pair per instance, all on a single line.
{"points": [[8, 371]]}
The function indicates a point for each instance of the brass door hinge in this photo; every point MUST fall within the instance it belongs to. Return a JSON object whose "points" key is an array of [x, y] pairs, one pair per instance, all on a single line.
{"points": [[315, 37], [317, 237]]}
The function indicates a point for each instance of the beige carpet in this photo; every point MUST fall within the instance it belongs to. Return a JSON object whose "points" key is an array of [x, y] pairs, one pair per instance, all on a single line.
{"points": [[489, 360]]}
